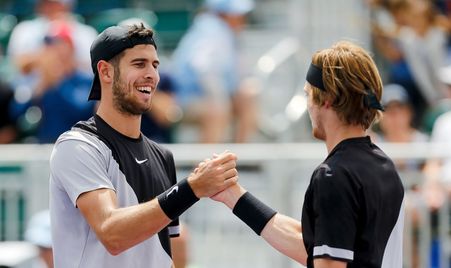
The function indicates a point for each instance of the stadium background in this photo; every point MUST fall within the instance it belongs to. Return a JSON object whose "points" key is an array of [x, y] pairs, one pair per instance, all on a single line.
{"points": [[278, 42]]}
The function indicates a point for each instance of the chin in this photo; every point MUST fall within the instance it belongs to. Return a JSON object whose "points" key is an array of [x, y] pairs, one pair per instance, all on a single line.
{"points": [[317, 134]]}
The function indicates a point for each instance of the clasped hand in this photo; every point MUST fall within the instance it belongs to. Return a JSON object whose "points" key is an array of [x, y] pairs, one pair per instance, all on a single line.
{"points": [[212, 176]]}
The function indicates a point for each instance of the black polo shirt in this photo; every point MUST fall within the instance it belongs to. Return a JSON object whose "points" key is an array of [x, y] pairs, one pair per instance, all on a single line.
{"points": [[353, 207]]}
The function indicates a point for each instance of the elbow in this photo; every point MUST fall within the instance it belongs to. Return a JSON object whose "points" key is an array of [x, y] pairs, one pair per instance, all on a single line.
{"points": [[113, 250], [302, 260], [113, 247], [111, 242], [298, 256]]}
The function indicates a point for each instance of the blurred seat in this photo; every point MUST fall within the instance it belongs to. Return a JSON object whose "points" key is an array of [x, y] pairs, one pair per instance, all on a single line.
{"points": [[7, 23], [171, 25], [21, 9], [88, 8], [433, 113], [104, 19]]}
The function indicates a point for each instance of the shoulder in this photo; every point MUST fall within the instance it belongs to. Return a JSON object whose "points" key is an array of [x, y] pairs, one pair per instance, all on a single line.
{"points": [[82, 133], [76, 138], [331, 171], [339, 171], [79, 149], [159, 149]]}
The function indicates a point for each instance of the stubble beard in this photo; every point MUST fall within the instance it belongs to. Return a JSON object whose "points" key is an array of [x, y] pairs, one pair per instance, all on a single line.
{"points": [[318, 130], [124, 103]]}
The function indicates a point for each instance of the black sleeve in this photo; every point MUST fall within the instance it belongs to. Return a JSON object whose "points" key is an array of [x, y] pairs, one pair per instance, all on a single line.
{"points": [[336, 206]]}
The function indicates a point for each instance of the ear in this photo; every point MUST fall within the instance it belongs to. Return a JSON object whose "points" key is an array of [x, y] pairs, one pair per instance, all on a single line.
{"points": [[327, 104], [106, 72]]}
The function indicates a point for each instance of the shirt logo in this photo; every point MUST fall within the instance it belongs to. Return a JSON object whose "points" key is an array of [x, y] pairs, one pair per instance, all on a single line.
{"points": [[140, 161], [174, 189]]}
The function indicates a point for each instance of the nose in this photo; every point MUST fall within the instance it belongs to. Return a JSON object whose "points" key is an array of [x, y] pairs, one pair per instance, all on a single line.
{"points": [[153, 75]]}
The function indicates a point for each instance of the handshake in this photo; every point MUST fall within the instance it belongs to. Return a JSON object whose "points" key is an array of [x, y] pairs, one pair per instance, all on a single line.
{"points": [[217, 178]]}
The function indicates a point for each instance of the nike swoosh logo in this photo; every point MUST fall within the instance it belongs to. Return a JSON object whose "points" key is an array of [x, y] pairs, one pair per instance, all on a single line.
{"points": [[140, 161], [174, 189]]}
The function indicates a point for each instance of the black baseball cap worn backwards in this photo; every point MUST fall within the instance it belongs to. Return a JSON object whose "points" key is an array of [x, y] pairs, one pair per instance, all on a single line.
{"points": [[108, 44]]}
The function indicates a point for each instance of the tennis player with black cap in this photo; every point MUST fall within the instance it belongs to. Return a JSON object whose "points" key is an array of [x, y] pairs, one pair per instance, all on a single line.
{"points": [[352, 214], [114, 197]]}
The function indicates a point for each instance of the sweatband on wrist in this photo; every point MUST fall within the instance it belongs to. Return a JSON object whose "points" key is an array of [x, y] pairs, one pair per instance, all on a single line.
{"points": [[177, 199], [253, 212]]}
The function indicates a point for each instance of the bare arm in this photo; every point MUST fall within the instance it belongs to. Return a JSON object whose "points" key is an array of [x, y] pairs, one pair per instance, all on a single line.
{"points": [[328, 263], [281, 232], [285, 234], [121, 228]]}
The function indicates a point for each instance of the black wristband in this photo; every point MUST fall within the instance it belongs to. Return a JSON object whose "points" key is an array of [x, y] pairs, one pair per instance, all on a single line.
{"points": [[253, 212], [175, 200]]}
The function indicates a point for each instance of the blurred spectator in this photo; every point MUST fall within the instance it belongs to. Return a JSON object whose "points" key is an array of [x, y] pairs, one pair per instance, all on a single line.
{"points": [[438, 171], [416, 47], [396, 123], [25, 43], [208, 74], [158, 123], [445, 76], [38, 233], [54, 96], [437, 186], [8, 131], [443, 105]]}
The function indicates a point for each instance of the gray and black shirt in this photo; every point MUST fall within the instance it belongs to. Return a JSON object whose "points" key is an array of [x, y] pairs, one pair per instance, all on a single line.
{"points": [[91, 156]]}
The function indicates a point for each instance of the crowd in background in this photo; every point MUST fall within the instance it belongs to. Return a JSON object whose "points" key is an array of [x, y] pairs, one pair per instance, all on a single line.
{"points": [[412, 41], [203, 83]]}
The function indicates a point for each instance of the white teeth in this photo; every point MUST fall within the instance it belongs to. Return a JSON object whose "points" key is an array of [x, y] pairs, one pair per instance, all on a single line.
{"points": [[144, 89]]}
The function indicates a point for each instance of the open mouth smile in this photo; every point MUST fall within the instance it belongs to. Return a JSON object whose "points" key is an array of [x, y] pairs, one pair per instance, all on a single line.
{"points": [[145, 90]]}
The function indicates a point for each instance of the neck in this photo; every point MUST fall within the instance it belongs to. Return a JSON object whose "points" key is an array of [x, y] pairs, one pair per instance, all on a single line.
{"points": [[341, 133], [128, 125], [335, 131]]}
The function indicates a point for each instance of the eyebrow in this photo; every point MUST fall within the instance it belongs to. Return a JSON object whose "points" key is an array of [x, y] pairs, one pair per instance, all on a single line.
{"points": [[144, 60]]}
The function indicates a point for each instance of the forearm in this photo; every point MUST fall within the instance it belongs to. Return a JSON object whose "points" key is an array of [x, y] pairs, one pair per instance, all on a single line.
{"points": [[121, 228], [329, 263], [285, 235], [281, 232], [126, 227]]}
